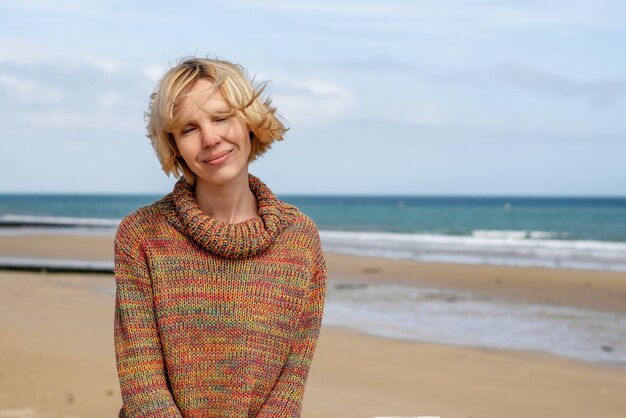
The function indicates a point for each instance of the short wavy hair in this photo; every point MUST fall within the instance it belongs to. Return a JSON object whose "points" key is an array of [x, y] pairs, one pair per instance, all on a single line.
{"points": [[237, 89]]}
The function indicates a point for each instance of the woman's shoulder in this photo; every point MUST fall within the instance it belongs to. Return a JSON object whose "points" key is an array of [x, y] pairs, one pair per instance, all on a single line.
{"points": [[302, 232], [300, 226], [293, 217], [143, 222]]}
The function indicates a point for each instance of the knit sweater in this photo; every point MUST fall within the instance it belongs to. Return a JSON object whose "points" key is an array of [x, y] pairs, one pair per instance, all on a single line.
{"points": [[215, 319]]}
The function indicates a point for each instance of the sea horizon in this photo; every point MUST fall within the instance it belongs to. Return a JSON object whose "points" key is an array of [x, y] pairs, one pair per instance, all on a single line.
{"points": [[582, 233], [335, 195]]}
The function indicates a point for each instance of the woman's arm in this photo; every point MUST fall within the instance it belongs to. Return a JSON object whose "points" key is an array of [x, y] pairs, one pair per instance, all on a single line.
{"points": [[138, 349], [285, 399]]}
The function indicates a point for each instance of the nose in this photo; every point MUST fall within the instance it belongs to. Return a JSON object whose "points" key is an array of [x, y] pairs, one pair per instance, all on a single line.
{"points": [[210, 136]]}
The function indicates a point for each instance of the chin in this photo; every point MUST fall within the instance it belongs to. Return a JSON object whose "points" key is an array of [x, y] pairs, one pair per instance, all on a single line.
{"points": [[222, 176]]}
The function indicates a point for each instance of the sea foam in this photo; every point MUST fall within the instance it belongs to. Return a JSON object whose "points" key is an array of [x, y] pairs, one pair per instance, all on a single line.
{"points": [[518, 248]]}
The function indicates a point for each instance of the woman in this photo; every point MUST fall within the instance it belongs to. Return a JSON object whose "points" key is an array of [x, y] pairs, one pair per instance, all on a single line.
{"points": [[219, 285]]}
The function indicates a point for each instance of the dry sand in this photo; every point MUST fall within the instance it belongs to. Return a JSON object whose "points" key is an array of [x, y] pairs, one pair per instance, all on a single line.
{"points": [[57, 358]]}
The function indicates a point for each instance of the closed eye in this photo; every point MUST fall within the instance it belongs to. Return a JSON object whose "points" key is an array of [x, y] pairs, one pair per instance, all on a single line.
{"points": [[187, 129], [223, 115]]}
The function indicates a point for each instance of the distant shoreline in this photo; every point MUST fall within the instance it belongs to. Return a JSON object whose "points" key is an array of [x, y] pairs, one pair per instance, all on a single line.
{"points": [[483, 247]]}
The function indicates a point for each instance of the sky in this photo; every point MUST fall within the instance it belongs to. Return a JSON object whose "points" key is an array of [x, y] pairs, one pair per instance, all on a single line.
{"points": [[515, 98]]}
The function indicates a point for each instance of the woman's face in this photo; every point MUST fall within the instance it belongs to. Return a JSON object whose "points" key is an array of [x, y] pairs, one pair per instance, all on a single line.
{"points": [[212, 140]]}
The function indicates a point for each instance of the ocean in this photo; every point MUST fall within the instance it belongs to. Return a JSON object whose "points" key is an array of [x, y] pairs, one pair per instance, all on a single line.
{"points": [[584, 233]]}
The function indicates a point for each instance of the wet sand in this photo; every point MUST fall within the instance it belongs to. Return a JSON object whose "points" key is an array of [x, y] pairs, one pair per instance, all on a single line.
{"points": [[57, 358]]}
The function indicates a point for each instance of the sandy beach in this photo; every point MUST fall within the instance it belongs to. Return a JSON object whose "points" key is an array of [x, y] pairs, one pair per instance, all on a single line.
{"points": [[57, 357]]}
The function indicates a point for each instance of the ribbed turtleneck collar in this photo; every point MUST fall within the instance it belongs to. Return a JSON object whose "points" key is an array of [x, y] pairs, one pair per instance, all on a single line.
{"points": [[239, 240]]}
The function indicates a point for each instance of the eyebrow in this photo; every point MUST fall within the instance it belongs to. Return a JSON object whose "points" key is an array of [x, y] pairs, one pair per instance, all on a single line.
{"points": [[221, 111], [178, 123], [217, 112]]}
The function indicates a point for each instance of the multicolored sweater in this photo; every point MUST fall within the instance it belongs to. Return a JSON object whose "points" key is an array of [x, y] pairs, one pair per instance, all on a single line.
{"points": [[216, 319]]}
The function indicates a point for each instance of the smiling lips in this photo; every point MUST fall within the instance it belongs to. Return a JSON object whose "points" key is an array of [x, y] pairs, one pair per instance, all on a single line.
{"points": [[217, 158]]}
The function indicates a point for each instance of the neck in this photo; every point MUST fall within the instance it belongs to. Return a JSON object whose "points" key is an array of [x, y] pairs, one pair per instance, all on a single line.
{"points": [[231, 202]]}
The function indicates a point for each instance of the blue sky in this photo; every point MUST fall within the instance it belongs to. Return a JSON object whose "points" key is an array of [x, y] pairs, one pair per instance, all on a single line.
{"points": [[400, 97]]}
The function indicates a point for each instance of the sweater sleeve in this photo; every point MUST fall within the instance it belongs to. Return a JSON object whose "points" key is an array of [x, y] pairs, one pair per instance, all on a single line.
{"points": [[138, 349], [285, 399]]}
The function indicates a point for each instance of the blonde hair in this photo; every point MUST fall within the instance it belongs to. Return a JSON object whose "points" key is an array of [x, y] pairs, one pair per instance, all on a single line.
{"points": [[232, 82]]}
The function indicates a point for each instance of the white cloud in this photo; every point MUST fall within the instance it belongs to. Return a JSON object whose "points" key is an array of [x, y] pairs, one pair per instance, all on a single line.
{"points": [[308, 102], [63, 95], [27, 91], [21, 86], [73, 120], [110, 99], [154, 72], [29, 53], [595, 92], [102, 63]]}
